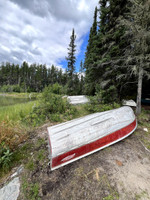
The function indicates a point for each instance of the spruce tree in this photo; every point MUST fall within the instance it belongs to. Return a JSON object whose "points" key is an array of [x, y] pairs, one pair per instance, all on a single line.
{"points": [[90, 57], [71, 64], [71, 55]]}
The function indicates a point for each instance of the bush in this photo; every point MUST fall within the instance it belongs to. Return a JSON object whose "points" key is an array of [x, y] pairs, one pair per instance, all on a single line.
{"points": [[55, 88], [51, 107], [11, 88], [103, 100], [95, 106]]}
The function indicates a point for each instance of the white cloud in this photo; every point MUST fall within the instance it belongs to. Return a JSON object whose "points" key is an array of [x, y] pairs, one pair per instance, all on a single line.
{"points": [[39, 31]]}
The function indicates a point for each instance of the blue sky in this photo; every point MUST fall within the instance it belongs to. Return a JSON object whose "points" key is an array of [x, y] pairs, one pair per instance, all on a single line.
{"points": [[39, 31]]}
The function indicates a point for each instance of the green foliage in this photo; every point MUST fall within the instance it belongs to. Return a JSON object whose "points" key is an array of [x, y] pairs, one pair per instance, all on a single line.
{"points": [[109, 95], [5, 156], [30, 165], [71, 55], [15, 112], [11, 88], [114, 51], [93, 107], [103, 100], [51, 107], [55, 88], [109, 197], [31, 190], [29, 78]]}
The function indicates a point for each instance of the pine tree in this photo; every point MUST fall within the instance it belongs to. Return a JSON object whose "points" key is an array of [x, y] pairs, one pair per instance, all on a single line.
{"points": [[71, 63], [90, 56], [71, 55]]}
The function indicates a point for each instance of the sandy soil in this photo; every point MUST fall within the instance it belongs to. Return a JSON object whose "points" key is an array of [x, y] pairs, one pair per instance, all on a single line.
{"points": [[121, 171]]}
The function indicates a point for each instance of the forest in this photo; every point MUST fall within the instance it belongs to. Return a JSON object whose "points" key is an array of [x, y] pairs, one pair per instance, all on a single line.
{"points": [[33, 78]]}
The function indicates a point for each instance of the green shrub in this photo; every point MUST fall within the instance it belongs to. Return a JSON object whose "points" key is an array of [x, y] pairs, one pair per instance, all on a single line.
{"points": [[98, 107], [55, 88], [51, 107], [109, 95], [11, 88], [103, 100], [5, 156]]}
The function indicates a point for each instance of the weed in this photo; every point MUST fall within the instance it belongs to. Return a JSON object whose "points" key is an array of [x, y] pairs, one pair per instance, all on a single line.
{"points": [[40, 154], [109, 197], [30, 190], [142, 195], [5, 156], [30, 165], [40, 142]]}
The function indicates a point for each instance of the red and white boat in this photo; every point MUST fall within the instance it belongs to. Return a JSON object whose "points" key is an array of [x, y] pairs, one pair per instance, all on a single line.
{"points": [[80, 137]]}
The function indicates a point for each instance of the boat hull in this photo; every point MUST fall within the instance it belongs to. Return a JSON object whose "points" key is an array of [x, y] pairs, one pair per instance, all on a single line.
{"points": [[93, 147], [78, 138]]}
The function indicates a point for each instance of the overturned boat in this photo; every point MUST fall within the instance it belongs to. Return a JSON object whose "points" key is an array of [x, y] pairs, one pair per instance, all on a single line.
{"points": [[75, 100], [80, 137]]}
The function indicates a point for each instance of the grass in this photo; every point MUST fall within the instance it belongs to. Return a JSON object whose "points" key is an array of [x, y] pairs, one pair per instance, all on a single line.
{"points": [[15, 112], [20, 95], [30, 190], [144, 122], [20, 154], [141, 195]]}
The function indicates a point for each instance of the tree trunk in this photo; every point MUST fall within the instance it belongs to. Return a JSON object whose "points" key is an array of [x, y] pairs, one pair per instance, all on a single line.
{"points": [[139, 90]]}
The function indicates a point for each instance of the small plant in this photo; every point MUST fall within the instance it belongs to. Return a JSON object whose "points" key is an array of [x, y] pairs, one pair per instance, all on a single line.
{"points": [[30, 165], [40, 155], [31, 190], [5, 156], [109, 197]]}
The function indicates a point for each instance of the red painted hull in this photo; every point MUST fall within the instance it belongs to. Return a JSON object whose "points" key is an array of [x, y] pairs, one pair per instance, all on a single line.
{"points": [[92, 147]]}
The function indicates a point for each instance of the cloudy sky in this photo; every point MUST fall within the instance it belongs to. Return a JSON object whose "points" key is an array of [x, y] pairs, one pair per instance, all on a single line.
{"points": [[39, 30]]}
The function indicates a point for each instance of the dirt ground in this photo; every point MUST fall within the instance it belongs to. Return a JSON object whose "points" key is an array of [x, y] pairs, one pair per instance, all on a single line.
{"points": [[121, 171]]}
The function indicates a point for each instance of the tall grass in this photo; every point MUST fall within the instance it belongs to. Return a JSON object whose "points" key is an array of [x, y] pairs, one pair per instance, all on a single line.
{"points": [[15, 112]]}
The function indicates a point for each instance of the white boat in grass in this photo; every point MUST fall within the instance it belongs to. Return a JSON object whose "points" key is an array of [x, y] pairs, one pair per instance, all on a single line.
{"points": [[80, 137]]}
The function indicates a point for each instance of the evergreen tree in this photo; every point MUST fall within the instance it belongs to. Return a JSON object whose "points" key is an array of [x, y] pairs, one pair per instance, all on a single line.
{"points": [[81, 70], [71, 63], [71, 55], [138, 55], [90, 57]]}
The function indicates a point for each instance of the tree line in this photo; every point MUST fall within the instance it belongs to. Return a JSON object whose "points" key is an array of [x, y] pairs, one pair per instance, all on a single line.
{"points": [[34, 78]]}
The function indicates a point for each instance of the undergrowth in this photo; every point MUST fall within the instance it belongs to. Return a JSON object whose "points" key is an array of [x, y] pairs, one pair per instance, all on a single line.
{"points": [[95, 105], [50, 107], [12, 134], [5, 156]]}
